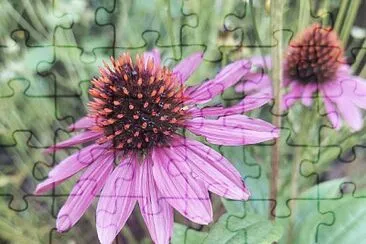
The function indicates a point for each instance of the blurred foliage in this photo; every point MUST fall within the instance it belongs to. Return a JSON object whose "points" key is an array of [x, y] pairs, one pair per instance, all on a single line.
{"points": [[49, 50]]}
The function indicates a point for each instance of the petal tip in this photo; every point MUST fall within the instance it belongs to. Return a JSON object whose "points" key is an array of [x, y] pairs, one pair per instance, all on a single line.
{"points": [[63, 223]]}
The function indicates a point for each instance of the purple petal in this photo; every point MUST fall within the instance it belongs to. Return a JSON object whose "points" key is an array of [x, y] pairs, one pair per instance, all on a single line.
{"points": [[254, 82], [70, 166], [155, 55], [227, 77], [78, 139], [183, 192], [83, 123], [83, 193], [332, 114], [117, 200], [187, 66], [350, 113], [307, 95], [259, 61], [354, 88], [233, 130], [292, 96], [249, 103], [215, 170], [155, 210]]}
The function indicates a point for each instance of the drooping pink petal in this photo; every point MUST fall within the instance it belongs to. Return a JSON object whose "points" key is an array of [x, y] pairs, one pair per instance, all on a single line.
{"points": [[83, 193], [295, 93], [359, 94], [227, 77], [183, 192], [332, 113], [117, 200], [70, 166], [215, 170], [353, 88], [340, 92], [307, 95], [83, 123], [255, 82], [350, 113], [78, 139], [155, 55], [233, 130], [155, 210], [333, 90], [259, 61], [187, 66], [249, 103]]}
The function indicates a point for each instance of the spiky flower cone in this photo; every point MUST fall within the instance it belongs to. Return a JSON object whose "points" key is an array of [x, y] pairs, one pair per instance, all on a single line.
{"points": [[136, 105], [314, 55]]}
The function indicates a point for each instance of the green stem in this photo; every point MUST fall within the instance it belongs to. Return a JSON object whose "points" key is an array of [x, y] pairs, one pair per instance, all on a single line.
{"points": [[304, 14], [257, 37], [19, 19], [360, 55], [294, 191], [348, 22], [277, 7], [34, 18], [127, 233], [363, 72], [340, 15], [170, 28]]}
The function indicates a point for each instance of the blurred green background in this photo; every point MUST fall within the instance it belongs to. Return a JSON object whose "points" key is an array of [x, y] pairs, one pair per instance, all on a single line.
{"points": [[49, 51]]}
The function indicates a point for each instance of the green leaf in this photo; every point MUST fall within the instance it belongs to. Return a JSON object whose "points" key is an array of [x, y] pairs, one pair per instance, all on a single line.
{"points": [[325, 216], [254, 177], [251, 228], [183, 234]]}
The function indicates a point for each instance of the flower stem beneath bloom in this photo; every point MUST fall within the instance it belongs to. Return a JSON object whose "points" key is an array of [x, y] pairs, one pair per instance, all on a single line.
{"points": [[277, 7]]}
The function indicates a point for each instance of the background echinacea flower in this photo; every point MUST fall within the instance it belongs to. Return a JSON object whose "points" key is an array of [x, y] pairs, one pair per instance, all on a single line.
{"points": [[136, 120], [315, 63]]}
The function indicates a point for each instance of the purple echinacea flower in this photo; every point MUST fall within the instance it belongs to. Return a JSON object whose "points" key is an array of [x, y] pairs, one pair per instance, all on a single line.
{"points": [[138, 152]]}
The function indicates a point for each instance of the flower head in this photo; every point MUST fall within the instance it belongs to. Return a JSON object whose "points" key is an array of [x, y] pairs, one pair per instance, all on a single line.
{"points": [[138, 152], [314, 56], [136, 106], [315, 63]]}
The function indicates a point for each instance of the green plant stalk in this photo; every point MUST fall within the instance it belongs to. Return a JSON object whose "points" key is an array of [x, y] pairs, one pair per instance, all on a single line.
{"points": [[35, 20], [341, 15], [348, 22], [304, 14], [277, 7], [360, 55], [295, 171], [127, 233], [19, 19], [324, 10], [363, 72], [170, 28], [257, 37]]}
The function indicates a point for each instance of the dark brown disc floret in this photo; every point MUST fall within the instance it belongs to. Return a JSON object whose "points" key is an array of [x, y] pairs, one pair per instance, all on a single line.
{"points": [[315, 55], [136, 105]]}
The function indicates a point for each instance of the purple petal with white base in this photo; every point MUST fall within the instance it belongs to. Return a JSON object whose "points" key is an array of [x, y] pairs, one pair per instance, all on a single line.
{"points": [[70, 166], [227, 77], [177, 185], [233, 130], [83, 193], [117, 200], [187, 66], [214, 169], [155, 210]]}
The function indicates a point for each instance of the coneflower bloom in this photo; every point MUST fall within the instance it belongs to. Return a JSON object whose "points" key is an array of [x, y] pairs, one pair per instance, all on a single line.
{"points": [[137, 150], [315, 63]]}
